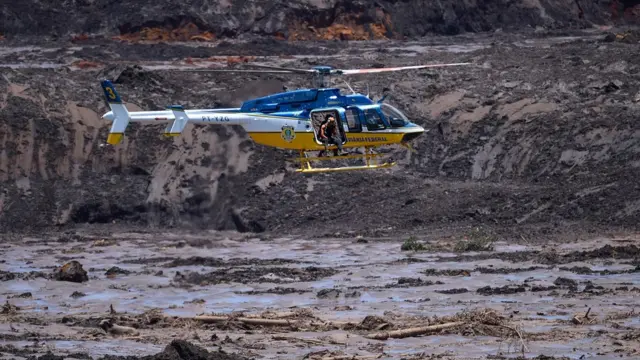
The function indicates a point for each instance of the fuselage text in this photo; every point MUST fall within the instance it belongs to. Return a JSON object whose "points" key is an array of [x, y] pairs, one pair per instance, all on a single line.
{"points": [[215, 119], [367, 139]]}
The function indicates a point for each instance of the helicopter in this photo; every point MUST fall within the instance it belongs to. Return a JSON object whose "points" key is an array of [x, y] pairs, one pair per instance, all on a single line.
{"points": [[291, 120]]}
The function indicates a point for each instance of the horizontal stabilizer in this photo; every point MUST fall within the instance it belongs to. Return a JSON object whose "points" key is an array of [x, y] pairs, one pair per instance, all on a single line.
{"points": [[175, 127], [120, 114]]}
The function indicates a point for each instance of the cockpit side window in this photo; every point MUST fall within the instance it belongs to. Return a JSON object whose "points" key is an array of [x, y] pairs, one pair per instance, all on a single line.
{"points": [[374, 120]]}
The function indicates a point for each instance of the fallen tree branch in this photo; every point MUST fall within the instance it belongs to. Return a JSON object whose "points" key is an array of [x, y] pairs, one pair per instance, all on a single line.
{"points": [[402, 333], [294, 339], [254, 320]]}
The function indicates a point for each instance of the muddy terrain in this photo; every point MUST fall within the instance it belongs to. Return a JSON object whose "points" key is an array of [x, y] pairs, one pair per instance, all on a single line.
{"points": [[511, 232], [540, 132], [84, 295]]}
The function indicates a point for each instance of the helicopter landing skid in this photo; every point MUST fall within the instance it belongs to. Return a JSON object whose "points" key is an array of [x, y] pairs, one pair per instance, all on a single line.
{"points": [[368, 157]]}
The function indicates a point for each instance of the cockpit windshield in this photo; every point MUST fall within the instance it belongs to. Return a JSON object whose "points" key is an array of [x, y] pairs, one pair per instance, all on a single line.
{"points": [[393, 115]]}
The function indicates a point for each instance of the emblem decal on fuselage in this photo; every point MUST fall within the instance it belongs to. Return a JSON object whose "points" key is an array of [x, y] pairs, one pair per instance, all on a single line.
{"points": [[288, 133]]}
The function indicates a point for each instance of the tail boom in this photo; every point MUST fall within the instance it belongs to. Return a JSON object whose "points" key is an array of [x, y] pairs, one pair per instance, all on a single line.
{"points": [[176, 116]]}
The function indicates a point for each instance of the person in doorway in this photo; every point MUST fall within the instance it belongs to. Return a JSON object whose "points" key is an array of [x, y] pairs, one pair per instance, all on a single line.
{"points": [[330, 134]]}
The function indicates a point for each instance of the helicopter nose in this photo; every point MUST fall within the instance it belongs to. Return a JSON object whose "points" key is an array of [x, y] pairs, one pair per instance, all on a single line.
{"points": [[417, 130], [411, 136]]}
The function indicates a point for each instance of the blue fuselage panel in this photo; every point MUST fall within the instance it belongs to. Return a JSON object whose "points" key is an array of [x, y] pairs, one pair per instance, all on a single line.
{"points": [[303, 100]]}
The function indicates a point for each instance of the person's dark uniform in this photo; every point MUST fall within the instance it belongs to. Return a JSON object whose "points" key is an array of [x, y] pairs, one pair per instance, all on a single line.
{"points": [[329, 134]]}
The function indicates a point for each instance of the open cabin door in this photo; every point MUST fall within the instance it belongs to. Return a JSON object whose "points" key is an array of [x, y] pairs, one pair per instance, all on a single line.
{"points": [[319, 116]]}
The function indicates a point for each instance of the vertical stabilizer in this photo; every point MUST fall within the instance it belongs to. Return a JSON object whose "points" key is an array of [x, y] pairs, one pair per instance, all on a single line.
{"points": [[175, 127], [120, 114]]}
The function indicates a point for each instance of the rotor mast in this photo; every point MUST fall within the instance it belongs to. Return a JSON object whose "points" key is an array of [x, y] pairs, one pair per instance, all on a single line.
{"points": [[319, 76]]}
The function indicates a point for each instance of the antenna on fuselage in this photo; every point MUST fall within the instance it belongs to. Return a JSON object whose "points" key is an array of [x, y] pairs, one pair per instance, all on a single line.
{"points": [[349, 86]]}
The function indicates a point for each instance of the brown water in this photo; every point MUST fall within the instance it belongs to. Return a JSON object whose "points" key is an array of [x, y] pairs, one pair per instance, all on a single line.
{"points": [[366, 276]]}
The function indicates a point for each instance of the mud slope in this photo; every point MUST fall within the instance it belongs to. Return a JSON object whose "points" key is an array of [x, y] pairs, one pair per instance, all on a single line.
{"points": [[299, 18], [538, 131]]}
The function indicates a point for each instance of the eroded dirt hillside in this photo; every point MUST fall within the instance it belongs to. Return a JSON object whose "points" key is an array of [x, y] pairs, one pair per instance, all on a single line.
{"points": [[537, 131], [298, 19]]}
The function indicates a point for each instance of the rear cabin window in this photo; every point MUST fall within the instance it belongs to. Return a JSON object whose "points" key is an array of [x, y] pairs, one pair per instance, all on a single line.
{"points": [[352, 118]]}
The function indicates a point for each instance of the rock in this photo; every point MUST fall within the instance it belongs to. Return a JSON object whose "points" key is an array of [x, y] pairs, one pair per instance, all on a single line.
{"points": [[77, 294], [328, 293], [183, 350], [71, 271], [244, 225], [114, 270], [110, 327]]}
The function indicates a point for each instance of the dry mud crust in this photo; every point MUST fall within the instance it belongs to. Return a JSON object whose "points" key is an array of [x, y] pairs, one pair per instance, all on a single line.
{"points": [[377, 301]]}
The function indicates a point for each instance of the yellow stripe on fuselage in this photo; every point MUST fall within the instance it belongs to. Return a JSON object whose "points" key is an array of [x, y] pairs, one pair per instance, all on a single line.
{"points": [[306, 141]]}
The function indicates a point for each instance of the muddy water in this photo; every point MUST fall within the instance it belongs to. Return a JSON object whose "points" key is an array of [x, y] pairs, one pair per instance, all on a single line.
{"points": [[374, 278]]}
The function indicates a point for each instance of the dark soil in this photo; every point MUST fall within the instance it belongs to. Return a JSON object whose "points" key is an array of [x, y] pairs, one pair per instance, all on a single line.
{"points": [[553, 258], [276, 290], [180, 350], [213, 262], [279, 275], [503, 290], [452, 291]]}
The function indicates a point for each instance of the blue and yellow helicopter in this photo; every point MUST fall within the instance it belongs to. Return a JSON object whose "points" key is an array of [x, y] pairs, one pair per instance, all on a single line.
{"points": [[292, 119]]}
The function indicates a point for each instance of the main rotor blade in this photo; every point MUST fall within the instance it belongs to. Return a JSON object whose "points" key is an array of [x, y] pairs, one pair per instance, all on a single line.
{"points": [[301, 71], [239, 70], [379, 70]]}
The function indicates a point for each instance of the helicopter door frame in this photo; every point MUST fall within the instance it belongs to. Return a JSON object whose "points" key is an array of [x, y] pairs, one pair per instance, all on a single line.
{"points": [[340, 118], [357, 117]]}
